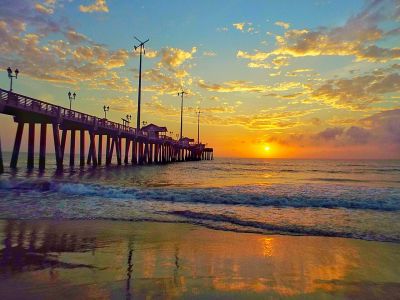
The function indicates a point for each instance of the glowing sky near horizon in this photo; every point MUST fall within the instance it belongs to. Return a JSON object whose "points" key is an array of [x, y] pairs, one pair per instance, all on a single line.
{"points": [[306, 79]]}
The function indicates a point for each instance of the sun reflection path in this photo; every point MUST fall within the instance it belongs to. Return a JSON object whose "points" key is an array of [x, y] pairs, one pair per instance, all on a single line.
{"points": [[267, 246]]}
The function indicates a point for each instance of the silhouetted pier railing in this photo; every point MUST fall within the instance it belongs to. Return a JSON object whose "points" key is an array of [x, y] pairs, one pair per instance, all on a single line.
{"points": [[141, 147]]}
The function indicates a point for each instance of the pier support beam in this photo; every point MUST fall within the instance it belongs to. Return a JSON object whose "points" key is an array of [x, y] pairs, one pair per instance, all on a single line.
{"points": [[108, 150], [1, 160], [42, 147], [63, 140], [127, 145], [100, 150], [92, 149], [72, 149], [134, 152], [82, 148], [140, 153], [17, 145], [113, 144], [118, 149], [31, 145], [57, 146]]}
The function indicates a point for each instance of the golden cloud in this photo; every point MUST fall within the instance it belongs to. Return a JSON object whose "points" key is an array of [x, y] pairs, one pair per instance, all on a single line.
{"points": [[282, 24], [97, 6]]}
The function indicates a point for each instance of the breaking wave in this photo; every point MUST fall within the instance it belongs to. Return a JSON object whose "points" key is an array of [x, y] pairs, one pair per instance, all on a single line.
{"points": [[278, 195]]}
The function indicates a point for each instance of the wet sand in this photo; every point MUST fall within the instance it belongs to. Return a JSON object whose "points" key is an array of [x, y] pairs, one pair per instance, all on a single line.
{"points": [[145, 260]]}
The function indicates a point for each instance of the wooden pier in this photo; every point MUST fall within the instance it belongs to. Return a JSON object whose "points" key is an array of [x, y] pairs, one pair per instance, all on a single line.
{"points": [[141, 146]]}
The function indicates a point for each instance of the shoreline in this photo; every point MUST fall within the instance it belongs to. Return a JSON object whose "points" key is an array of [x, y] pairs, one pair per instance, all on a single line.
{"points": [[95, 259], [258, 231]]}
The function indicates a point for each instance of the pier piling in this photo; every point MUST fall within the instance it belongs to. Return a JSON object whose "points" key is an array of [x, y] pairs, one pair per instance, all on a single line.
{"points": [[72, 149], [42, 147], [17, 145], [1, 160], [31, 145], [82, 148]]}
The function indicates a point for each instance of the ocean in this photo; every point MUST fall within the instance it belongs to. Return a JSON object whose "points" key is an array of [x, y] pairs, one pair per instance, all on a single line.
{"points": [[344, 198]]}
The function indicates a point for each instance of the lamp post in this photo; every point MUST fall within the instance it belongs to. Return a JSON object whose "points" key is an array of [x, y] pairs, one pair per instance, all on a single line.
{"points": [[71, 97], [11, 76], [181, 94], [106, 109], [125, 122]]}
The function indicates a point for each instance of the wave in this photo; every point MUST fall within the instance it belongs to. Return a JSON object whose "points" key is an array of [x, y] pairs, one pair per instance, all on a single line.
{"points": [[339, 179], [262, 227], [296, 196]]}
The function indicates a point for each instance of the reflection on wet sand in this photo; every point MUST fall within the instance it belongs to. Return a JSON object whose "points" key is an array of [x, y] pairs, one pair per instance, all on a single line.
{"points": [[28, 247], [102, 260]]}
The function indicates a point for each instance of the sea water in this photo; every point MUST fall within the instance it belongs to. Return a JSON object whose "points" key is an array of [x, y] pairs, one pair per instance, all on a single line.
{"points": [[346, 198]]}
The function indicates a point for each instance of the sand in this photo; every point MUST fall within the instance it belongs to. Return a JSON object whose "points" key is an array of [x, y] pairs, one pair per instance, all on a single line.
{"points": [[146, 260]]}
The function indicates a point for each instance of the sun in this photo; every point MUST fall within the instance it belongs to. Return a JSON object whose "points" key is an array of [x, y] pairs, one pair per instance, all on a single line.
{"points": [[267, 148]]}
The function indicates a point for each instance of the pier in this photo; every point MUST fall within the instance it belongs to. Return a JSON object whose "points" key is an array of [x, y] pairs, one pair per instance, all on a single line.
{"points": [[146, 145]]}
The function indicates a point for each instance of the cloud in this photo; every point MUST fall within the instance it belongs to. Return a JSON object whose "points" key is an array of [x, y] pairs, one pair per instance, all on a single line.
{"points": [[357, 37], [59, 60], [379, 130], [282, 24], [258, 60], [97, 6], [269, 120], [25, 12], [358, 92], [232, 86], [239, 26], [44, 9], [247, 86], [172, 58], [75, 37], [244, 27], [209, 53], [163, 82], [257, 56]]}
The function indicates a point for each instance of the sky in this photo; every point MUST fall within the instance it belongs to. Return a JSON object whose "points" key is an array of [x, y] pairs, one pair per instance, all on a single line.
{"points": [[278, 79]]}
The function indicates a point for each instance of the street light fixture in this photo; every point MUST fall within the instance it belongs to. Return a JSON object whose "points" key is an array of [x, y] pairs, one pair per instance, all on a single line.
{"points": [[71, 97], [11, 76], [106, 109], [125, 122]]}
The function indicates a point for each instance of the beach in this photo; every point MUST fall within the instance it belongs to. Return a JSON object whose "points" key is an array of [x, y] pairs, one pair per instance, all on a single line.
{"points": [[44, 259], [239, 229]]}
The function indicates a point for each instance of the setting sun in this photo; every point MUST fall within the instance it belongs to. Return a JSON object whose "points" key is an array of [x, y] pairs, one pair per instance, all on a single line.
{"points": [[267, 148]]}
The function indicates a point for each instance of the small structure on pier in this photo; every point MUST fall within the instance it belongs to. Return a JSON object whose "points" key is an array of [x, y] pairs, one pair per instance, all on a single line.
{"points": [[186, 141], [154, 131]]}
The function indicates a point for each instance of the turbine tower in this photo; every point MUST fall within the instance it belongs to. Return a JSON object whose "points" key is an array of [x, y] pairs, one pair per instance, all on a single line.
{"points": [[142, 51], [181, 94]]}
